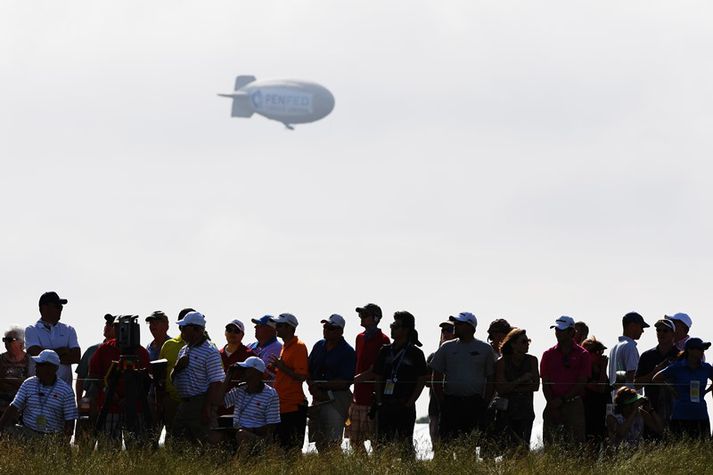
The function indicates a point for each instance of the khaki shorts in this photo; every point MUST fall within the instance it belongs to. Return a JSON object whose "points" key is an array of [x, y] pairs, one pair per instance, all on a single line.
{"points": [[361, 427]]}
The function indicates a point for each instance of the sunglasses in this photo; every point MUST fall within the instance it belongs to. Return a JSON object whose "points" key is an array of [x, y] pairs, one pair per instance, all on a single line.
{"points": [[447, 329], [232, 329], [330, 327], [395, 326], [9, 339]]}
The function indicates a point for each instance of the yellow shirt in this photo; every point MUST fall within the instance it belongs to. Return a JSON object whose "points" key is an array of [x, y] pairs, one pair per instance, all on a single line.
{"points": [[170, 350]]}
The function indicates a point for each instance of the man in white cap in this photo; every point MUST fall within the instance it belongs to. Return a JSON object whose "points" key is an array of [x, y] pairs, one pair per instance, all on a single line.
{"points": [[198, 377], [291, 370], [565, 369], [256, 405], [683, 325], [51, 334], [46, 402], [468, 365], [331, 371]]}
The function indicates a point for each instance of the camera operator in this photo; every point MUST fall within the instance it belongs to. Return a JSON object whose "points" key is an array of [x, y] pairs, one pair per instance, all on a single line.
{"points": [[108, 355]]}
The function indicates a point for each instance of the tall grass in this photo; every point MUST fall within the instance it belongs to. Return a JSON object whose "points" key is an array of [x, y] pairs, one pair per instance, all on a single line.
{"points": [[38, 458]]}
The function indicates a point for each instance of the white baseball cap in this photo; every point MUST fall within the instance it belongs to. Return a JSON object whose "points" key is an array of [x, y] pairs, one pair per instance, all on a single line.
{"points": [[681, 317], [466, 317], [253, 362], [287, 318], [47, 356], [192, 318], [238, 324], [563, 323], [336, 320]]}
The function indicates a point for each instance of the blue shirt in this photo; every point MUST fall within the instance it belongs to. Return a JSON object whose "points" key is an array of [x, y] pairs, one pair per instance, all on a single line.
{"points": [[680, 375], [337, 363]]}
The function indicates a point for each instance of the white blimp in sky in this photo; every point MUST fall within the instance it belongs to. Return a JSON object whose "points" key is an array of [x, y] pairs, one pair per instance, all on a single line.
{"points": [[285, 100]]}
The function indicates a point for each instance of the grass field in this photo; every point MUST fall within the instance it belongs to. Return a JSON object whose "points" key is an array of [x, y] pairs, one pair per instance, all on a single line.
{"points": [[694, 457]]}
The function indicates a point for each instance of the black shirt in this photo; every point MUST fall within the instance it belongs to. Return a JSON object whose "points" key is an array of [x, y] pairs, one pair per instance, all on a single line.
{"points": [[404, 366], [648, 360]]}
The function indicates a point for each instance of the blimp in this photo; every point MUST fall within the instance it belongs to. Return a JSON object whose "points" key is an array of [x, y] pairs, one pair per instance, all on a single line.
{"points": [[288, 101]]}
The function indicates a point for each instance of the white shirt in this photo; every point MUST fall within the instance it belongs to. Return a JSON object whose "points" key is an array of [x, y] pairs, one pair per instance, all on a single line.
{"points": [[204, 368], [624, 356], [51, 337], [255, 410], [45, 408]]}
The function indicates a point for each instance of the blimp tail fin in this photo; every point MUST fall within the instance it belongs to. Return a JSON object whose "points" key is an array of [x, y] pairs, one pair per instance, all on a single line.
{"points": [[242, 81], [241, 106]]}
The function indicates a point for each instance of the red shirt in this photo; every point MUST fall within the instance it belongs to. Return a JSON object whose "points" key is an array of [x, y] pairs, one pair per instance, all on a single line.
{"points": [[565, 371], [367, 350], [237, 356], [99, 366]]}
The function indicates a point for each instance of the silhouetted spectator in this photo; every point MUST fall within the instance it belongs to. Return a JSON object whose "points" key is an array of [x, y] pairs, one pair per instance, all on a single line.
{"points": [[654, 360], [434, 408], [581, 332], [13, 365], [632, 415], [689, 376], [597, 392], [368, 344], [624, 356], [401, 376], [516, 379], [565, 369]]}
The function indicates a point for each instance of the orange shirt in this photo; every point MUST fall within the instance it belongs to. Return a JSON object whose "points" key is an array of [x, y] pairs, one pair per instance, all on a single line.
{"points": [[294, 355]]}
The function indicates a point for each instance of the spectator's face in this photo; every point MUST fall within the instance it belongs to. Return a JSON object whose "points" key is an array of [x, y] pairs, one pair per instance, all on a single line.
{"points": [[681, 330], [264, 332], [521, 345], [664, 335], [398, 331], [191, 333], [367, 321], [580, 334], [447, 333], [635, 330], [496, 337], [158, 328], [51, 312], [283, 330], [695, 354], [14, 345], [463, 329], [252, 375], [331, 332], [233, 335], [45, 372], [109, 331], [564, 336]]}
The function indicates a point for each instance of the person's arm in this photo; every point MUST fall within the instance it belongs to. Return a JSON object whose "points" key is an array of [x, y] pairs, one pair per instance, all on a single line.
{"points": [[69, 355], [280, 364], [490, 377], [79, 388], [652, 420], [417, 390], [214, 397], [34, 350]]}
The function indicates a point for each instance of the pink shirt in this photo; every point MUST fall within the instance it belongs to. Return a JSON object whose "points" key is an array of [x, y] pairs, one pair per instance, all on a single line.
{"points": [[565, 371]]}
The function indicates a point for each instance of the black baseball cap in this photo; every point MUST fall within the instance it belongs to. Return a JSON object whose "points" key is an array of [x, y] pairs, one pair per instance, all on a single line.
{"points": [[633, 317], [51, 298], [109, 318], [157, 315], [370, 309]]}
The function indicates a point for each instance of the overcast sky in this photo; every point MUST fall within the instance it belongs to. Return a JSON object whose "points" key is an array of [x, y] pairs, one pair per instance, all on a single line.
{"points": [[514, 159]]}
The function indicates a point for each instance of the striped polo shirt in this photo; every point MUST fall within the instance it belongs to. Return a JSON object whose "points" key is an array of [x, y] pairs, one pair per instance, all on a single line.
{"points": [[45, 408], [204, 368], [253, 410]]}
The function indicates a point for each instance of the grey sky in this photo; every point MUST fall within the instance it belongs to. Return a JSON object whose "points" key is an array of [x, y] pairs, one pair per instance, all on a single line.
{"points": [[514, 159]]}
